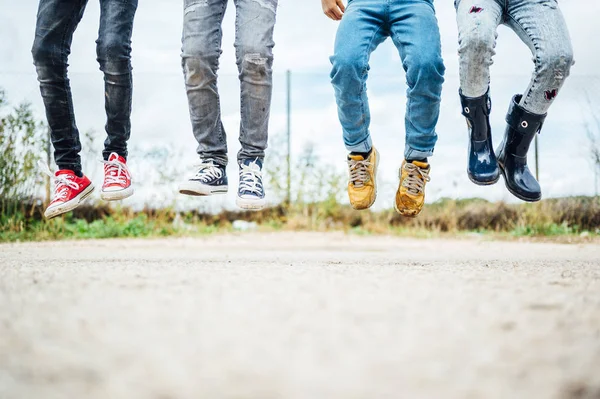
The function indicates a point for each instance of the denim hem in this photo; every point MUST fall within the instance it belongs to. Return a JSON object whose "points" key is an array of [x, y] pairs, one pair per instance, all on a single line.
{"points": [[219, 159], [364, 146], [411, 153]]}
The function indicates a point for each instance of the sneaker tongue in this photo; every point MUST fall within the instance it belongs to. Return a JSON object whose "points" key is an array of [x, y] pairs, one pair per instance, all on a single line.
{"points": [[61, 172], [256, 163], [356, 157], [116, 157], [422, 165]]}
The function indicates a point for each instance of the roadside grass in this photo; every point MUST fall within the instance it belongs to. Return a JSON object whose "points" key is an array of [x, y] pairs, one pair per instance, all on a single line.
{"points": [[563, 220]]}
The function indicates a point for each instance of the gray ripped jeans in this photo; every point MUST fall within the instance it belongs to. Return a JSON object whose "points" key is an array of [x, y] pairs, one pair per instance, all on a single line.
{"points": [[202, 34], [539, 23]]}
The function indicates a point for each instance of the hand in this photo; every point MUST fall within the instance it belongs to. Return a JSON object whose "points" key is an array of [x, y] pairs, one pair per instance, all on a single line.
{"points": [[334, 9]]}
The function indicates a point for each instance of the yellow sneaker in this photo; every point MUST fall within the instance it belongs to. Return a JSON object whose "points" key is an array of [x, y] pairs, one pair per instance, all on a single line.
{"points": [[410, 196], [362, 182]]}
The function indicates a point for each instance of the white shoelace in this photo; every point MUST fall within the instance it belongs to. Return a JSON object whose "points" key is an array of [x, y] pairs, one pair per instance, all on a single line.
{"points": [[359, 172], [61, 182], [251, 178], [207, 171], [417, 177], [113, 172]]}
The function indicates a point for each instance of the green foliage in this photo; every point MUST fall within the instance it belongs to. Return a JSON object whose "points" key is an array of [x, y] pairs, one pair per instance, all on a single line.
{"points": [[22, 144], [317, 190]]}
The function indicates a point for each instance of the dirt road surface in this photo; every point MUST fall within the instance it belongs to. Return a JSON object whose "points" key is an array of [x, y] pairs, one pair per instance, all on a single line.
{"points": [[299, 316]]}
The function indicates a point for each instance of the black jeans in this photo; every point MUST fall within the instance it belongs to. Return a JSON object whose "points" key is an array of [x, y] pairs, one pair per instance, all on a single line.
{"points": [[56, 23]]}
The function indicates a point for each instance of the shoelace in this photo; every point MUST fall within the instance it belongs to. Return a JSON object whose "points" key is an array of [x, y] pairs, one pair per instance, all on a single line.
{"points": [[359, 172], [113, 172], [61, 182], [207, 171], [251, 178], [417, 177]]}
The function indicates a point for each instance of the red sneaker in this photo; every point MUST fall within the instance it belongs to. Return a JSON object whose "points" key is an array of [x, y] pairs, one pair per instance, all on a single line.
{"points": [[117, 179], [69, 192]]}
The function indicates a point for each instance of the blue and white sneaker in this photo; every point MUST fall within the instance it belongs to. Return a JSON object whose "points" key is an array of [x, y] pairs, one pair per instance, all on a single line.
{"points": [[209, 178], [251, 193]]}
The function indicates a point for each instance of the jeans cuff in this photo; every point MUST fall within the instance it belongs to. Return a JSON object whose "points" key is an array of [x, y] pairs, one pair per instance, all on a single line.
{"points": [[364, 146], [411, 153]]}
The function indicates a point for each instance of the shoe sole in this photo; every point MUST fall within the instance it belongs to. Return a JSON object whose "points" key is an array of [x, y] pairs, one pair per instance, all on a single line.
{"points": [[250, 204], [374, 186], [70, 205], [201, 190], [402, 214], [117, 195], [522, 198]]}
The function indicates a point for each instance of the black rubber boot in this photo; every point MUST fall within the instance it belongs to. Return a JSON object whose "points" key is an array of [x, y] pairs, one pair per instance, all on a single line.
{"points": [[482, 168], [512, 153]]}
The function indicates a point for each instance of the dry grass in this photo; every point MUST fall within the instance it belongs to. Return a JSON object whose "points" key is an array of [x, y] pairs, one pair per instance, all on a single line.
{"points": [[567, 217]]}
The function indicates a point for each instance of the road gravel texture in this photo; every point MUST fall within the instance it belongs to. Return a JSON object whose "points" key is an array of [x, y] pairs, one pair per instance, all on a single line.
{"points": [[299, 316]]}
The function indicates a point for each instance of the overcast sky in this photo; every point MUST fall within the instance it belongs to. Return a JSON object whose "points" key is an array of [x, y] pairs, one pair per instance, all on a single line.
{"points": [[304, 40]]}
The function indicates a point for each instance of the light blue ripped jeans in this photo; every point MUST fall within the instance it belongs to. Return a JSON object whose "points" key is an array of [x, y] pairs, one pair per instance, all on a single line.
{"points": [[413, 27], [539, 23], [202, 34]]}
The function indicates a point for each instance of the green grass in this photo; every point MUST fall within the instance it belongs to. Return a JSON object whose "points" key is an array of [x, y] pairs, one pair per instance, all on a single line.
{"points": [[66, 227], [569, 219]]}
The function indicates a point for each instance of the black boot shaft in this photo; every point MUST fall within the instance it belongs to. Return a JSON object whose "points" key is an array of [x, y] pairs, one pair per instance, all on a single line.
{"points": [[523, 126], [477, 111], [482, 167]]}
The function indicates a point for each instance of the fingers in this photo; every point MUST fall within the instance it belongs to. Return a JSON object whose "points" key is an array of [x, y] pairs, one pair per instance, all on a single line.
{"points": [[336, 13], [333, 10]]}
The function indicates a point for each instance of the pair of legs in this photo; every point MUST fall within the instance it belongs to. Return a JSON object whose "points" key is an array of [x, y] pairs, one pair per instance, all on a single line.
{"points": [[56, 23], [412, 26], [541, 26], [202, 36]]}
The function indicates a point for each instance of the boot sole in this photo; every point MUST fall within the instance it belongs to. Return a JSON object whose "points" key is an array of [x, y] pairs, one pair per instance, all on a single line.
{"points": [[69, 206], [482, 183], [522, 198]]}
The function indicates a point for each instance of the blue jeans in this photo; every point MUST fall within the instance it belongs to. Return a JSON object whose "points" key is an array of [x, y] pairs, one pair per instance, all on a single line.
{"points": [[201, 49], [413, 27], [56, 23], [540, 24]]}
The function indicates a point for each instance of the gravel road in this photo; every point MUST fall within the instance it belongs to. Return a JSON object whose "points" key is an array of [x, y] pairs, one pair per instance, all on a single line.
{"points": [[299, 316]]}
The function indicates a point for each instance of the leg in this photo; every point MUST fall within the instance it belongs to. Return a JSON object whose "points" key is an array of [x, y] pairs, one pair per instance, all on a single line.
{"points": [[360, 32], [415, 32], [200, 54], [477, 23], [113, 49], [255, 22], [542, 27], [56, 22]]}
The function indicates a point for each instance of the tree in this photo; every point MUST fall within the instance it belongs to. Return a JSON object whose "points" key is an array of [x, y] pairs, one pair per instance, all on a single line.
{"points": [[23, 142]]}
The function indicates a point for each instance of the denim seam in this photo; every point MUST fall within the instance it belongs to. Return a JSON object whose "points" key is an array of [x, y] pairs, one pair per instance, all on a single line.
{"points": [[69, 28], [364, 72], [536, 57], [62, 47], [219, 45]]}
